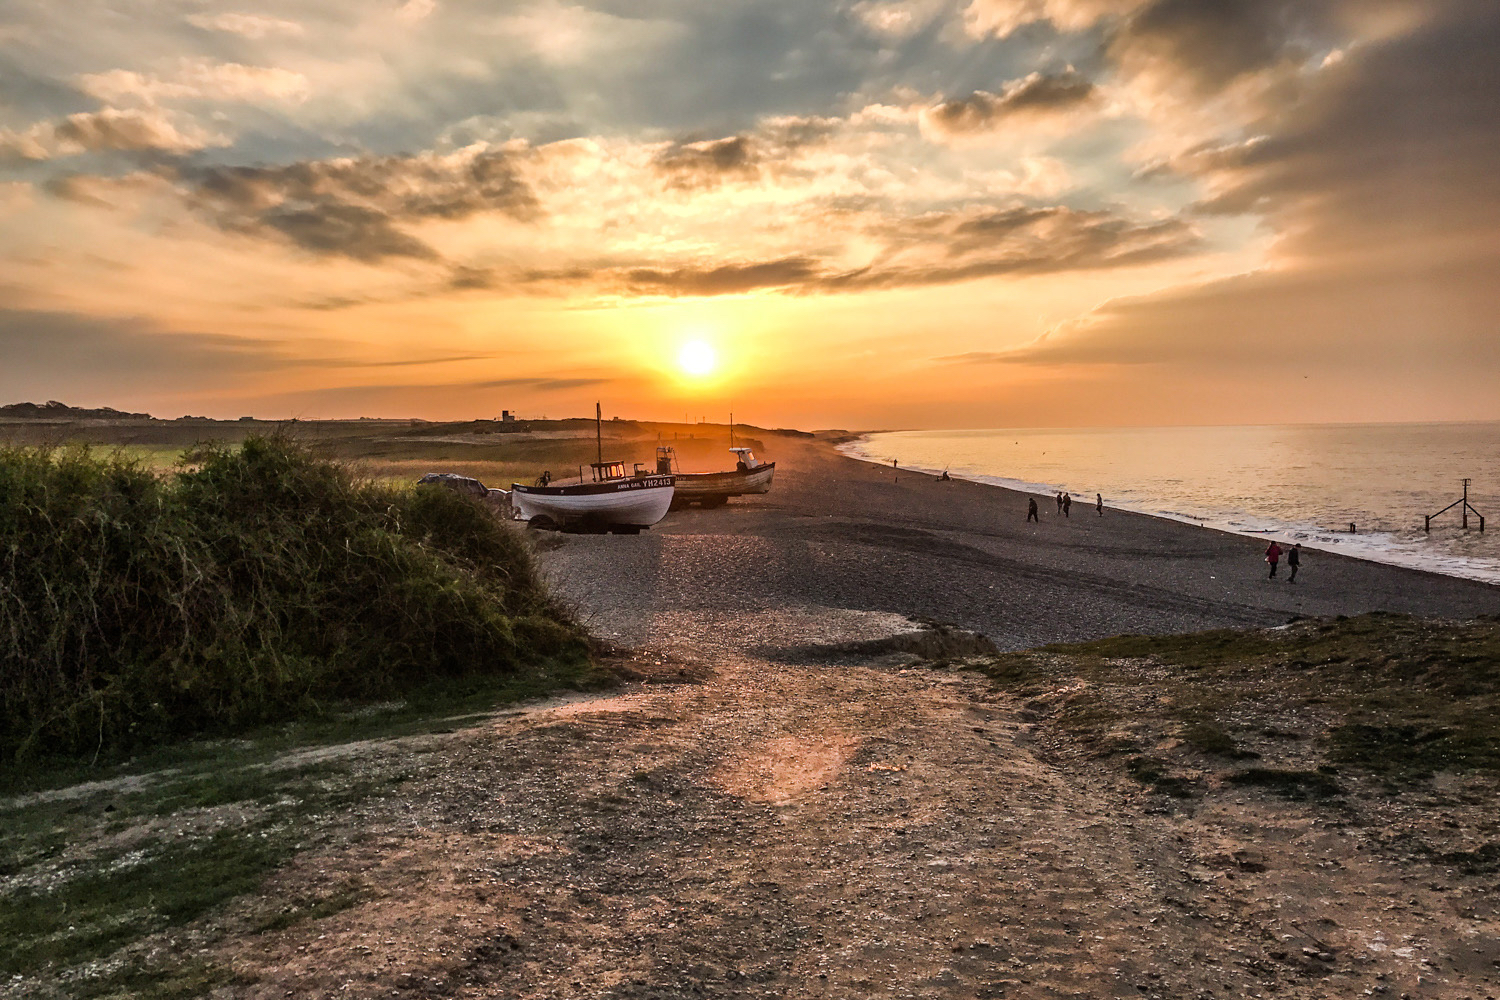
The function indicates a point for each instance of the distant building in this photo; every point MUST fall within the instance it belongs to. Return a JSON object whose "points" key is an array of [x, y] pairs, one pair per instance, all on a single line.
{"points": [[242, 419], [507, 417]]}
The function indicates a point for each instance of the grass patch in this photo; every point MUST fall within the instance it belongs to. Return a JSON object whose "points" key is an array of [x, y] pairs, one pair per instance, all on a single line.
{"points": [[142, 981], [1209, 738], [1483, 860], [1390, 697], [255, 583], [1407, 753], [155, 858], [195, 825], [1152, 771], [87, 908], [93, 912], [1287, 783], [312, 908]]}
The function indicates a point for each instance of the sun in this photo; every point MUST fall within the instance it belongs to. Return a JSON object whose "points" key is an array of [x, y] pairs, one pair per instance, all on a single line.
{"points": [[697, 358]]}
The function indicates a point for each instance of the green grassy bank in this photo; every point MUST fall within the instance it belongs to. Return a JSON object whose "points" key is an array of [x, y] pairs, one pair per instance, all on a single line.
{"points": [[1380, 704], [255, 583]]}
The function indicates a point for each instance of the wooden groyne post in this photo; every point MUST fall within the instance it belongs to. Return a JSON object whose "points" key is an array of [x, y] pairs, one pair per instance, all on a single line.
{"points": [[1464, 508]]}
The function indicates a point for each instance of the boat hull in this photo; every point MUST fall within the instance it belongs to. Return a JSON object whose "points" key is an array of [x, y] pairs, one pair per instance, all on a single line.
{"points": [[625, 503], [716, 487]]}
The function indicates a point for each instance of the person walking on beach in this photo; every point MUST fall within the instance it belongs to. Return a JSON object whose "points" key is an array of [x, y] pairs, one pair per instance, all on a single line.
{"points": [[1058, 498], [1273, 556], [1031, 514], [1293, 559], [1099, 503], [1067, 505]]}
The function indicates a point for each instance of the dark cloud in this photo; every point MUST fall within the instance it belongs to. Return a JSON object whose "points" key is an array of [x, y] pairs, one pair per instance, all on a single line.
{"points": [[336, 229], [934, 249], [958, 246], [80, 188], [465, 278], [724, 279], [1381, 184], [1208, 45], [356, 207], [1096, 246], [1200, 46], [706, 163], [1034, 96], [104, 131], [129, 130], [1004, 17], [702, 164], [1393, 151]]}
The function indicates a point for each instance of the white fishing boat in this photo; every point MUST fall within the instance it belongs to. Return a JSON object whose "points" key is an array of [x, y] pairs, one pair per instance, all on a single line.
{"points": [[713, 489], [611, 501]]}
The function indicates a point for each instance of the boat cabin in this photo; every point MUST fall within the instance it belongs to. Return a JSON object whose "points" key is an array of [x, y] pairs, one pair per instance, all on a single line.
{"points": [[666, 456], [745, 459], [606, 471]]}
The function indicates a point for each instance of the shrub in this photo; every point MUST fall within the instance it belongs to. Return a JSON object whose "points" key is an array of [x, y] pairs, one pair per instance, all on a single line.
{"points": [[255, 583]]}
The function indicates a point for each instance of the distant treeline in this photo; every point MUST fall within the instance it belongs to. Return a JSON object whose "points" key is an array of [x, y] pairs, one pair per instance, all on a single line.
{"points": [[256, 583], [54, 410]]}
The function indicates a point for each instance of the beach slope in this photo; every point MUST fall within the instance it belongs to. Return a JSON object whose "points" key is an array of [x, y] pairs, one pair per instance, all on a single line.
{"points": [[837, 533]]}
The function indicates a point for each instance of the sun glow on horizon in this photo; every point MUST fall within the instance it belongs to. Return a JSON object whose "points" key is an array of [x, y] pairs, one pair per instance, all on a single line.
{"points": [[697, 358]]}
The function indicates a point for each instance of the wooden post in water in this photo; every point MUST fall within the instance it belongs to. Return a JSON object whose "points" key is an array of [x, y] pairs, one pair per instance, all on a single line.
{"points": [[1464, 508]]}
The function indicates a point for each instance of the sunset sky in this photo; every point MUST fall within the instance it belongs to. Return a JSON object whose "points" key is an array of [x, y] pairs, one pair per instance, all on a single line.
{"points": [[882, 213]]}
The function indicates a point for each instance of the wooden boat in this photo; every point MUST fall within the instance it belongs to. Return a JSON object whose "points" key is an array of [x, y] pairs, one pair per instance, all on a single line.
{"points": [[468, 486], [611, 502], [713, 489]]}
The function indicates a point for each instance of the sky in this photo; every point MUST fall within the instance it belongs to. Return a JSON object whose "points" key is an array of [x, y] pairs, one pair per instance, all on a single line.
{"points": [[867, 214]]}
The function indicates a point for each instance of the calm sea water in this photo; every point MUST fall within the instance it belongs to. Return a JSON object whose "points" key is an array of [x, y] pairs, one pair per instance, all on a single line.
{"points": [[1294, 483]]}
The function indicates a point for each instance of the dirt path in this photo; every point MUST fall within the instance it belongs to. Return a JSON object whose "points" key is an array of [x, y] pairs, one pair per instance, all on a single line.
{"points": [[776, 830]]}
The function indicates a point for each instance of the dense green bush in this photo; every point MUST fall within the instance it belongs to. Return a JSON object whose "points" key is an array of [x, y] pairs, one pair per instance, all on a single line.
{"points": [[255, 583]]}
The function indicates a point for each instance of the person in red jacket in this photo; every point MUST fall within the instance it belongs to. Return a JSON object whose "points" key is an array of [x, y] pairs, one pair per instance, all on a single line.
{"points": [[1273, 556]]}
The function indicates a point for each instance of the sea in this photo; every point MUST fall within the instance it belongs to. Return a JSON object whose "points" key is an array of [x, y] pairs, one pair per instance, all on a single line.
{"points": [[1358, 489]]}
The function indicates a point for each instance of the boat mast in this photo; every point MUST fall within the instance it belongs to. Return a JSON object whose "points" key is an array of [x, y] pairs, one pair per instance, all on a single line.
{"points": [[599, 431], [731, 428]]}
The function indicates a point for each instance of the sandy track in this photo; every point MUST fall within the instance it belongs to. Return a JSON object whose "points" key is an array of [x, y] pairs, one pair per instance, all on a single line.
{"points": [[817, 831]]}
